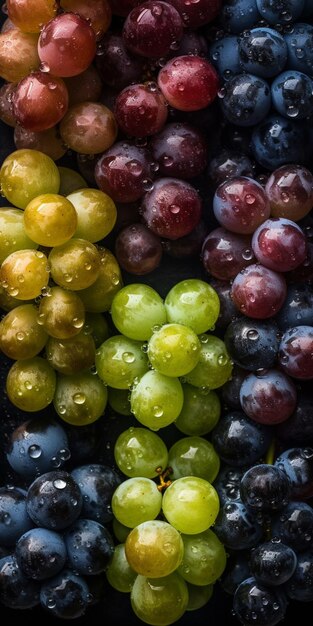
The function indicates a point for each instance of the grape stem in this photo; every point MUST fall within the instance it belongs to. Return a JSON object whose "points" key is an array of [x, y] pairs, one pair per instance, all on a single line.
{"points": [[162, 476], [270, 455]]}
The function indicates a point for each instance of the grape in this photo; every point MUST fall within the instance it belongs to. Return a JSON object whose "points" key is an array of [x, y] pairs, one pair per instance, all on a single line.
{"points": [[180, 150], [198, 596], [40, 553], [50, 219], [214, 366], [194, 17], [88, 128], [72, 355], [30, 16], [246, 99], [97, 298], [120, 361], [31, 383], [258, 292], [21, 337], [117, 67], [13, 508], [96, 213], [70, 181], [200, 413], [204, 558], [279, 244], [189, 83], [249, 603], [150, 29], [25, 274], [193, 302], [80, 399], [299, 586], [97, 483], [54, 500], [136, 500], [138, 250], [89, 546], [154, 549], [12, 233], [140, 452], [289, 189], [224, 253], [296, 463], [97, 13], [119, 401], [40, 101], [17, 591], [66, 595], [74, 264], [174, 350], [237, 527], [140, 111], [18, 54], [273, 562], [137, 310], [190, 504], [268, 397], [119, 573], [193, 456], [159, 601], [295, 352], [61, 313], [241, 205], [85, 87], [252, 344], [47, 141], [149, 400], [263, 52], [265, 488], [293, 525], [240, 441]]}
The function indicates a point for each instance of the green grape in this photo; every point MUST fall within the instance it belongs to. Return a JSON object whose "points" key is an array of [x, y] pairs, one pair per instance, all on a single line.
{"points": [[97, 326], [8, 302], [80, 399], [136, 500], [156, 400], [194, 303], [120, 531], [28, 173], [154, 549], [159, 601], [12, 233], [137, 310], [204, 558], [140, 452], [70, 180], [72, 355], [96, 213], [50, 219], [25, 274], [119, 573], [31, 384], [193, 456], [74, 265], [119, 400], [174, 350], [201, 411], [198, 596], [61, 313], [98, 297], [190, 504], [214, 367], [120, 361], [21, 337]]}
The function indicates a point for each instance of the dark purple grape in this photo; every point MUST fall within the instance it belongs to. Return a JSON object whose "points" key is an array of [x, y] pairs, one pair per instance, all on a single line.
{"points": [[297, 309], [238, 15], [294, 525], [273, 563], [66, 595], [152, 28], [40, 553], [137, 249], [262, 51], [188, 82], [265, 488], [227, 483], [181, 150], [295, 354], [258, 292], [97, 483], [89, 547], [236, 527], [245, 99], [240, 441], [298, 428], [268, 396], [14, 519], [231, 389], [297, 463], [257, 604], [117, 67], [140, 110], [188, 246], [279, 244], [192, 42], [224, 55], [300, 585], [277, 141], [252, 344], [237, 569], [241, 205], [282, 12], [197, 14], [227, 163], [289, 189], [54, 500], [300, 47], [224, 253], [16, 590]]}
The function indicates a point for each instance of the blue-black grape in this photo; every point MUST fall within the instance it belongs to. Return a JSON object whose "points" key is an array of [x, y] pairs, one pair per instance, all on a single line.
{"points": [[265, 488], [89, 546], [282, 12], [40, 553], [252, 344], [300, 48], [14, 519], [54, 500], [277, 140], [245, 99], [237, 15], [298, 428], [273, 562], [227, 483], [240, 441], [297, 464], [223, 54], [66, 595], [237, 569], [97, 483], [300, 585], [294, 525], [236, 527], [262, 51], [16, 590], [297, 309], [292, 94], [259, 605]]}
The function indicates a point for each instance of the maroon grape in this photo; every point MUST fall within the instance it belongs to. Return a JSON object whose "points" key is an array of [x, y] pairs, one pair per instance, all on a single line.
{"points": [[187, 246], [40, 101], [138, 250], [268, 397], [6, 109], [304, 271], [295, 353], [241, 205], [227, 163], [228, 311], [192, 42], [189, 83], [224, 254], [180, 150], [141, 110], [123, 7], [298, 428], [116, 66], [124, 172], [172, 209], [85, 87], [152, 28], [258, 292], [279, 244], [198, 13], [290, 191]]}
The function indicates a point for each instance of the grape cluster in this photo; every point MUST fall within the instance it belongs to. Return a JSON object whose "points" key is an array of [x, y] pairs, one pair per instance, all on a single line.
{"points": [[156, 328]]}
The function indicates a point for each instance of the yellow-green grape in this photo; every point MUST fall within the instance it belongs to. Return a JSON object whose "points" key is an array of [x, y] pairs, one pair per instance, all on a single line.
{"points": [[72, 355], [28, 173], [70, 180], [137, 311], [120, 531], [7, 302], [119, 573], [154, 548], [80, 399], [136, 500], [198, 596], [21, 337], [12, 233], [140, 452], [156, 400], [201, 411], [159, 601], [190, 504], [97, 326], [31, 384], [119, 400], [50, 219], [204, 558], [61, 313], [193, 456], [96, 213], [74, 265], [193, 302], [25, 274], [214, 367], [98, 297], [174, 350], [120, 361]]}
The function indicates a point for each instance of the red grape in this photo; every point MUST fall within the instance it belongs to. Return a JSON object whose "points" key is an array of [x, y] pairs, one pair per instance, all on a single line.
{"points": [[258, 292], [137, 249], [40, 101], [279, 244], [189, 83], [180, 150], [140, 110], [152, 28], [224, 254]]}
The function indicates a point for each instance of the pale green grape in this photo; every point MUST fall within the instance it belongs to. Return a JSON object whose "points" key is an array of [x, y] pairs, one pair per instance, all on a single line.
{"points": [[21, 337], [194, 303], [50, 219], [80, 399], [74, 265], [31, 384], [120, 531], [137, 310], [98, 297], [154, 549], [156, 400], [201, 411], [193, 456], [96, 213], [204, 558], [159, 601], [119, 573], [214, 367], [120, 361], [190, 504], [12, 233], [198, 596], [136, 500], [119, 400], [27, 173], [140, 452], [70, 180], [174, 350]]}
